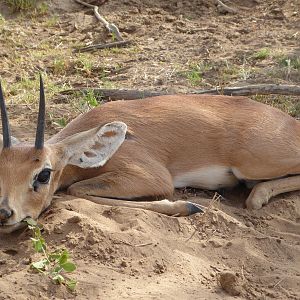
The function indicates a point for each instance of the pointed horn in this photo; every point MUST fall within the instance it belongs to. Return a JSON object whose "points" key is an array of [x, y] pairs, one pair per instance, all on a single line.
{"points": [[40, 130], [5, 123]]}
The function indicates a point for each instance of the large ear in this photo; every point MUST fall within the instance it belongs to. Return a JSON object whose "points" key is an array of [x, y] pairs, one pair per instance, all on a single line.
{"points": [[94, 147], [14, 141]]}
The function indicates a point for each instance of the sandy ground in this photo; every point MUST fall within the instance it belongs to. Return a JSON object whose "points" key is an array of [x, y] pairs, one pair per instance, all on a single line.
{"points": [[126, 253], [132, 254]]}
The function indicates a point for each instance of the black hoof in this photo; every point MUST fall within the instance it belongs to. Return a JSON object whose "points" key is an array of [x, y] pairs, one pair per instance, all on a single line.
{"points": [[194, 208]]}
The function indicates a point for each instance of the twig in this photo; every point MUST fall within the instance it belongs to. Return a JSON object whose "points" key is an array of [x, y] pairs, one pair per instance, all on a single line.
{"points": [[176, 215], [226, 8], [112, 28], [278, 282], [84, 3], [143, 245], [117, 44], [191, 235]]}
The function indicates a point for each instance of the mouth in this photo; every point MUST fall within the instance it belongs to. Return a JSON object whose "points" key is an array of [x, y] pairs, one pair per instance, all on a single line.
{"points": [[8, 228]]}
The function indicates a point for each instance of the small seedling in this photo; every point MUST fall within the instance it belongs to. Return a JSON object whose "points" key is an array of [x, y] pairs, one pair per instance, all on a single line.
{"points": [[53, 264], [262, 54], [91, 99], [84, 64], [291, 62], [60, 123], [59, 66], [194, 76], [19, 5]]}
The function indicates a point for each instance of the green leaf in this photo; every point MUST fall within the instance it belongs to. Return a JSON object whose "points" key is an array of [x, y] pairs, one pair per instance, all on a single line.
{"points": [[63, 257], [71, 284], [30, 221], [58, 269], [40, 265], [69, 267], [39, 245], [58, 278], [54, 256]]}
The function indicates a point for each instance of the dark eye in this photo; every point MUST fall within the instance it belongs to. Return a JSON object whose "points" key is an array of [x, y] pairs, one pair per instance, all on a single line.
{"points": [[44, 176]]}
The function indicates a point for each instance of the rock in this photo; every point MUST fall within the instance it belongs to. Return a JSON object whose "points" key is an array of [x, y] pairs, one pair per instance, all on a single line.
{"points": [[74, 219], [215, 243], [230, 283], [57, 229]]}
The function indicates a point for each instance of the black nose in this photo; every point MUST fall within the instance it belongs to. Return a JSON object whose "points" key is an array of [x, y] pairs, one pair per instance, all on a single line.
{"points": [[5, 214]]}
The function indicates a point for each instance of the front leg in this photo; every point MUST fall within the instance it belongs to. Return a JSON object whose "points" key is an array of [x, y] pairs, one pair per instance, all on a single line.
{"points": [[262, 192], [110, 188]]}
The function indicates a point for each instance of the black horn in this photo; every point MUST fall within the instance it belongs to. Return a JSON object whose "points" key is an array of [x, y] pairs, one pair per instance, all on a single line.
{"points": [[5, 123], [40, 130]]}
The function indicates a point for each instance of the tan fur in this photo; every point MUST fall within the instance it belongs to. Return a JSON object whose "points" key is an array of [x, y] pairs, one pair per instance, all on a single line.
{"points": [[169, 137]]}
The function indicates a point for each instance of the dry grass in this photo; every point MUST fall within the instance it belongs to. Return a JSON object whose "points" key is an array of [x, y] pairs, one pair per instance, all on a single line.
{"points": [[33, 43]]}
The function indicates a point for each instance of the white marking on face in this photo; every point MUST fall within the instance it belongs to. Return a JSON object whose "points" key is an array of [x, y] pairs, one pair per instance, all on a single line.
{"points": [[212, 178]]}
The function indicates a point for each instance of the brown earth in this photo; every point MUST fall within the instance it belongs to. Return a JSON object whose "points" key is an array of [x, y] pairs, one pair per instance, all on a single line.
{"points": [[126, 253]]}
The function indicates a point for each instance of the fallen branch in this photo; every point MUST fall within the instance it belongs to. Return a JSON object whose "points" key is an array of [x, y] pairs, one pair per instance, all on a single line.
{"points": [[226, 8], [126, 94], [112, 29], [256, 89], [94, 47], [116, 94]]}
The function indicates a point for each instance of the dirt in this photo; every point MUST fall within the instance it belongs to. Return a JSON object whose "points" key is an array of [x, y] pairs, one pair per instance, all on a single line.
{"points": [[121, 253]]}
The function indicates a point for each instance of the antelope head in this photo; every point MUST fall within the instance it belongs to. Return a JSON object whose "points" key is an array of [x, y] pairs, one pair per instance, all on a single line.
{"points": [[29, 174]]}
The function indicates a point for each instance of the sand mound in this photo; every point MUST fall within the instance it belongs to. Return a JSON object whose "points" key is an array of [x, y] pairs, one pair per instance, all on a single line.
{"points": [[126, 253]]}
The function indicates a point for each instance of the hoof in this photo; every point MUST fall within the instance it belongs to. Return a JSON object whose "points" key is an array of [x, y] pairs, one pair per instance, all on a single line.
{"points": [[252, 205], [194, 208]]}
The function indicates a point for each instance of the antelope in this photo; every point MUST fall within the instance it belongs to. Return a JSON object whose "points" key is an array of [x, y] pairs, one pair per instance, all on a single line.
{"points": [[125, 151]]}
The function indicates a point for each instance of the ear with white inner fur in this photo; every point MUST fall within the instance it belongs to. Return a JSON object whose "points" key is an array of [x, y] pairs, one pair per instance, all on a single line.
{"points": [[14, 141], [94, 147]]}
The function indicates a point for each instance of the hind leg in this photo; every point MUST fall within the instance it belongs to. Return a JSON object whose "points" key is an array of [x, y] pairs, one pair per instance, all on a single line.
{"points": [[262, 192]]}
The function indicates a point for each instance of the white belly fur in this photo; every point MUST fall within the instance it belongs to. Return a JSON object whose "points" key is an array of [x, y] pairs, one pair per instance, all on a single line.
{"points": [[212, 178]]}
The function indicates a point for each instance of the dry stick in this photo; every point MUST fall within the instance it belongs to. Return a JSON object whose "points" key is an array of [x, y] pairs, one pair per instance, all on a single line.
{"points": [[262, 89], [278, 282], [143, 245], [116, 94], [226, 8], [259, 89], [112, 28], [117, 44], [215, 198], [84, 3]]}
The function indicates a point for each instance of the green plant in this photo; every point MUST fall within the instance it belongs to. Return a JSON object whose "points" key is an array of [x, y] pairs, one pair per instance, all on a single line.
{"points": [[262, 54], [19, 5], [2, 20], [42, 9], [84, 64], [291, 62], [194, 74], [284, 103], [52, 21], [60, 123], [59, 66], [53, 264], [90, 99]]}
